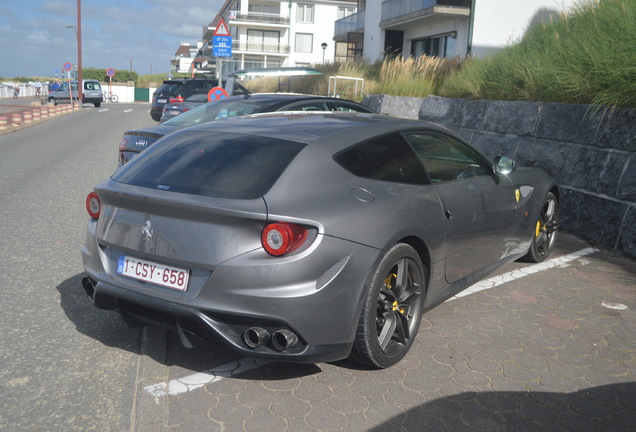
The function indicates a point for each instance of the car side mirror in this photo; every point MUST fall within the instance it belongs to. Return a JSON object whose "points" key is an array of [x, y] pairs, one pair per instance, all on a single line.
{"points": [[504, 165]]}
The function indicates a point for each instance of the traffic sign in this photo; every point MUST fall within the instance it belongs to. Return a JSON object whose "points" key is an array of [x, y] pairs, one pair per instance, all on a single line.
{"points": [[221, 29], [67, 66], [222, 41], [222, 46], [216, 93], [110, 72]]}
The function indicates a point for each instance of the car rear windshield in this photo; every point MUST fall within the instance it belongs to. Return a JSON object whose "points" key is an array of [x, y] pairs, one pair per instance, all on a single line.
{"points": [[169, 88], [223, 165], [219, 109]]}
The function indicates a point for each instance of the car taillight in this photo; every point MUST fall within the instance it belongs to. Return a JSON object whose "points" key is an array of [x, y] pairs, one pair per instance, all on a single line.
{"points": [[281, 238], [123, 143], [176, 99], [93, 205]]}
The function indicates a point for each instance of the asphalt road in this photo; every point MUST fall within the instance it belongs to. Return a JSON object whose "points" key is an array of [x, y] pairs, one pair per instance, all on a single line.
{"points": [[64, 366]]}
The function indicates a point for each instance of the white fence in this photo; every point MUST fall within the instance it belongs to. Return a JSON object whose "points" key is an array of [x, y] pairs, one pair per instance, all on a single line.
{"points": [[124, 92]]}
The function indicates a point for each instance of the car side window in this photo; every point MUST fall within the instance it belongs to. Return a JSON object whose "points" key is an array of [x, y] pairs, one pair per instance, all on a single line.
{"points": [[307, 106], [345, 107], [386, 158], [446, 158]]}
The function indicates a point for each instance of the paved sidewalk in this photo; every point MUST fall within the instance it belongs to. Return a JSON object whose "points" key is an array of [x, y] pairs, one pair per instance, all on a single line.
{"points": [[548, 348]]}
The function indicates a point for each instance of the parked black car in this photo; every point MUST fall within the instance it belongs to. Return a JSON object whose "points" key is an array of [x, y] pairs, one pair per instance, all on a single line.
{"points": [[178, 90], [135, 141], [171, 110]]}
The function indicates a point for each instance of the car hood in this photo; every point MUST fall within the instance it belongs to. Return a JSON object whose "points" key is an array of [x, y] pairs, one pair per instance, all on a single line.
{"points": [[137, 140]]}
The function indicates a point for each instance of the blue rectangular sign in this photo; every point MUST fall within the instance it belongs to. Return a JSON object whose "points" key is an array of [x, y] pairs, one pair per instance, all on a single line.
{"points": [[222, 46]]}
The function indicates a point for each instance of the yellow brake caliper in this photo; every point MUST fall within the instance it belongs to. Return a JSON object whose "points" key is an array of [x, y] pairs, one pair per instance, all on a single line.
{"points": [[388, 283]]}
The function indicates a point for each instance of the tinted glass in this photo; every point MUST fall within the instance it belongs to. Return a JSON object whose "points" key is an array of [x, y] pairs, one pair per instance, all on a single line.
{"points": [[346, 107], [220, 165], [223, 108], [387, 158], [446, 158]]}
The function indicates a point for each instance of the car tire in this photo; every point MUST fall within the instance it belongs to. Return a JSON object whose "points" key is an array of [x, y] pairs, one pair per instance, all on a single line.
{"points": [[545, 232], [97, 104], [392, 310], [53, 101]]}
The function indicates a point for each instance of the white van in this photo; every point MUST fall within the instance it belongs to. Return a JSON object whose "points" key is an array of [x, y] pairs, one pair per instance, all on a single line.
{"points": [[92, 92]]}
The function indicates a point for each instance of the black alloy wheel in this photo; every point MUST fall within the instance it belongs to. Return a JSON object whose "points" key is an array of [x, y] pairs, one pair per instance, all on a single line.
{"points": [[392, 311], [545, 231]]}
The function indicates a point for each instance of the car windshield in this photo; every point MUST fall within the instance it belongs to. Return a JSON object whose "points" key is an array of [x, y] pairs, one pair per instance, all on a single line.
{"points": [[223, 165], [223, 108]]}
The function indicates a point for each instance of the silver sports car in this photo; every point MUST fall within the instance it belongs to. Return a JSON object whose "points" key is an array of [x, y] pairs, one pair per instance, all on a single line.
{"points": [[308, 237]]}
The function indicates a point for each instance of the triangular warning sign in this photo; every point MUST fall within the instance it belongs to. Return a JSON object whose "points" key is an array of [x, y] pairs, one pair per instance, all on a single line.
{"points": [[221, 29]]}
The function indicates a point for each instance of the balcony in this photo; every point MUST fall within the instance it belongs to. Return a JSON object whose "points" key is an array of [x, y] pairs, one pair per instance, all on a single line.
{"points": [[258, 47], [262, 18], [259, 19], [349, 24], [397, 11]]}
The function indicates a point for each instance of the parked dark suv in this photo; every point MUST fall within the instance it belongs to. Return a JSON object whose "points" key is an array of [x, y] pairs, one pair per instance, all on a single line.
{"points": [[178, 90]]}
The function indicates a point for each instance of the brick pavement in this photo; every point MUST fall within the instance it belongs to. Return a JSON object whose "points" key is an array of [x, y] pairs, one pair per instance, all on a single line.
{"points": [[552, 351]]}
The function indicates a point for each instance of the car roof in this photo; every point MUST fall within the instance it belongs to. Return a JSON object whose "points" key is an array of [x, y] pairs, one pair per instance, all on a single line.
{"points": [[312, 126]]}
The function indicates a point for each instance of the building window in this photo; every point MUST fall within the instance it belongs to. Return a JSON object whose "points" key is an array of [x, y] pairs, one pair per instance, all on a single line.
{"points": [[263, 40], [264, 8], [345, 12], [304, 42], [305, 13], [254, 62], [436, 46]]}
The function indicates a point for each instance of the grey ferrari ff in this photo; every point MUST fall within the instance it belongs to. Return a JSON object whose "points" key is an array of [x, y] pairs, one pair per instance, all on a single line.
{"points": [[308, 237]]}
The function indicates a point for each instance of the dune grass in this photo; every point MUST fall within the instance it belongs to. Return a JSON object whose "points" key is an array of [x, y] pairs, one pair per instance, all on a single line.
{"points": [[586, 57]]}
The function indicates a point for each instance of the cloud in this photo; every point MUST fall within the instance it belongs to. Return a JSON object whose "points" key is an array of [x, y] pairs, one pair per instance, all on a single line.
{"points": [[36, 42]]}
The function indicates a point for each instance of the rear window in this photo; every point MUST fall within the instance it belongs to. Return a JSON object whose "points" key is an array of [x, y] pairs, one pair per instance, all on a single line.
{"points": [[169, 88], [223, 165], [219, 109], [92, 85]]}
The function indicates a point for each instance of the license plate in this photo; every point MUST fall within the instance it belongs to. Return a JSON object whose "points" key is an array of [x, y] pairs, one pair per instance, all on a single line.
{"points": [[162, 100], [160, 274]]}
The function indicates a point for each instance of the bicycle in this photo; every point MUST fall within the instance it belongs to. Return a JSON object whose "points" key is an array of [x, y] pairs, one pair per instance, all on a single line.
{"points": [[110, 97]]}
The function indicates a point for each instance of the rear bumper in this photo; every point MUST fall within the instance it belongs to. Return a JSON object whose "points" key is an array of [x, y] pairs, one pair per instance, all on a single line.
{"points": [[138, 309], [316, 297]]}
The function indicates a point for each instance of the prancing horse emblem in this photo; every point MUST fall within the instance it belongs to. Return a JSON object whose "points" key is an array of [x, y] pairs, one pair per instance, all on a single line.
{"points": [[146, 231]]}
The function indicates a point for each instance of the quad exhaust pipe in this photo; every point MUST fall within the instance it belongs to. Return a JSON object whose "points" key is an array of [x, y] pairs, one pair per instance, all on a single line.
{"points": [[255, 337], [281, 339]]}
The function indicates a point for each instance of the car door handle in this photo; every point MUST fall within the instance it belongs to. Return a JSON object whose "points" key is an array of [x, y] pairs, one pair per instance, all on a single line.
{"points": [[449, 214]]}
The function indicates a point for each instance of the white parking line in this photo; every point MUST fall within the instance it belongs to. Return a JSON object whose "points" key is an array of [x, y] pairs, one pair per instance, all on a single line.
{"points": [[525, 271], [195, 381], [192, 382]]}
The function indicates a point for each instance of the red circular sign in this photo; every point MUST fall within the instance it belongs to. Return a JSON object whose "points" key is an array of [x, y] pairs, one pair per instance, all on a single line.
{"points": [[67, 66], [110, 72], [216, 93]]}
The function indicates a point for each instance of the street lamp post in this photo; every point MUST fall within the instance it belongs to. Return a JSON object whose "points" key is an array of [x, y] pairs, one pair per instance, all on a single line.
{"points": [[78, 36], [324, 48]]}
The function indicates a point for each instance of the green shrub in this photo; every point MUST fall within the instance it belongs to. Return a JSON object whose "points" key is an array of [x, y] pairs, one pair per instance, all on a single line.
{"points": [[585, 57]]}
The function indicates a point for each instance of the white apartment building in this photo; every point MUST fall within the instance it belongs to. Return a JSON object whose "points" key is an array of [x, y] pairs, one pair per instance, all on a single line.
{"points": [[277, 33], [443, 28]]}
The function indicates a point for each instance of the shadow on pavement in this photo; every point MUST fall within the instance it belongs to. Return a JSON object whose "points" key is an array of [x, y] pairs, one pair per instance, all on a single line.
{"points": [[106, 327], [604, 408]]}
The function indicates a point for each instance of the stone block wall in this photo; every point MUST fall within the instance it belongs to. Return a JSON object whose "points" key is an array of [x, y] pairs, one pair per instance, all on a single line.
{"points": [[590, 153]]}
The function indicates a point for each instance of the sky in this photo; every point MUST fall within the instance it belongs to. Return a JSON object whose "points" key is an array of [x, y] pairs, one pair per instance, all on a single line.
{"points": [[35, 42]]}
